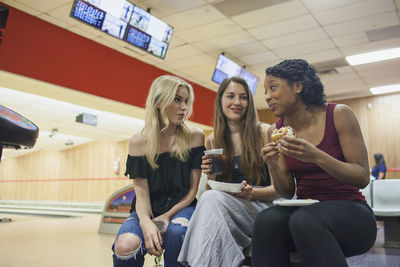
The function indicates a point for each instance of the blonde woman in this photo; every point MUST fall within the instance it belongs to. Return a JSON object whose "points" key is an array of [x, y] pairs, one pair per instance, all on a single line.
{"points": [[164, 162], [222, 224]]}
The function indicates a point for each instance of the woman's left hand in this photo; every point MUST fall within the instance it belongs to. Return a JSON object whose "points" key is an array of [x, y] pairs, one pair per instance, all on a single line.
{"points": [[162, 218], [247, 191], [298, 148]]}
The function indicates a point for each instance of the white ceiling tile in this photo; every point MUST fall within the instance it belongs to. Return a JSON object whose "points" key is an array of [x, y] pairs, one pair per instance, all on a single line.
{"points": [[373, 46], [284, 27], [295, 38], [84, 33], [305, 49], [23, 7], [191, 61], [194, 17], [270, 14], [181, 52], [354, 11], [363, 24], [225, 41], [132, 51], [162, 8], [341, 78], [245, 49], [44, 6], [199, 70], [344, 70], [258, 58], [209, 30], [62, 13], [54, 21], [176, 41], [380, 73], [323, 56], [350, 39], [316, 5]]}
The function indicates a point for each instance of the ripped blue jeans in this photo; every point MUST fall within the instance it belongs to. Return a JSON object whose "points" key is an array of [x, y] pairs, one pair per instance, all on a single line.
{"points": [[172, 240]]}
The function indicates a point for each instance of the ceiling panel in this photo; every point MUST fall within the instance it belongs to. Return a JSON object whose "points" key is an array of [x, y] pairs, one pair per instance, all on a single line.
{"points": [[258, 58], [363, 24], [305, 49], [270, 14], [317, 5], [194, 17], [162, 8], [224, 41], [43, 6], [207, 31], [283, 27], [62, 13], [371, 46], [181, 52], [350, 39], [244, 49], [354, 11], [323, 56], [296, 38], [22, 7]]}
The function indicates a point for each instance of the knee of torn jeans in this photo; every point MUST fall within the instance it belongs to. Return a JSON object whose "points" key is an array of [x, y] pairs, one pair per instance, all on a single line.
{"points": [[182, 221], [127, 246]]}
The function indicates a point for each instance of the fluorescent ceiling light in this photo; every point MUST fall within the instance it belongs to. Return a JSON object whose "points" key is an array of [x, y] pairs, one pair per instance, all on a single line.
{"points": [[385, 89], [374, 56]]}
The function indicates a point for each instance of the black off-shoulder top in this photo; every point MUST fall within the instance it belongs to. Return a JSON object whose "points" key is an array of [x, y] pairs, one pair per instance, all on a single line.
{"points": [[170, 182]]}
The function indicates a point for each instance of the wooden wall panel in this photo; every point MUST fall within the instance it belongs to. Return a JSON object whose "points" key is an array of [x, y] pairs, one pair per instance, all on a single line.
{"points": [[50, 175], [265, 115], [380, 125]]}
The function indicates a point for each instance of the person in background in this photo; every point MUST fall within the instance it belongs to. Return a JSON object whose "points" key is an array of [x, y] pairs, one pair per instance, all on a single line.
{"points": [[221, 226], [326, 161], [164, 162], [379, 169]]}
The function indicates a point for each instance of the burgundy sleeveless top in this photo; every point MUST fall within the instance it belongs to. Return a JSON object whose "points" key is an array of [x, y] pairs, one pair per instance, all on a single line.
{"points": [[312, 181]]}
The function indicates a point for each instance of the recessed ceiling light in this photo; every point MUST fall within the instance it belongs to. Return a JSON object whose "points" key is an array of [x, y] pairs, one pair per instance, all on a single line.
{"points": [[374, 56], [385, 89]]}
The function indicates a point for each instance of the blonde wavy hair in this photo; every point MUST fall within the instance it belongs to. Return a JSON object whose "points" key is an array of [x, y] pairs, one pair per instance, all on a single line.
{"points": [[161, 95], [251, 163]]}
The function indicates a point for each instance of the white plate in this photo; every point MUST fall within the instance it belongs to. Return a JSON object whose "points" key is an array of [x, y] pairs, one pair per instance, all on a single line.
{"points": [[295, 202], [226, 187]]}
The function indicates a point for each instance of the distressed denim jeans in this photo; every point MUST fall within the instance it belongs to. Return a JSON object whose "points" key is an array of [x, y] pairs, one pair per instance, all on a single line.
{"points": [[172, 240]]}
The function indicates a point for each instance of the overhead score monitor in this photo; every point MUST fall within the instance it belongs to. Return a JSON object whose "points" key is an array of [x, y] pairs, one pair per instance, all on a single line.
{"points": [[226, 67], [127, 22]]}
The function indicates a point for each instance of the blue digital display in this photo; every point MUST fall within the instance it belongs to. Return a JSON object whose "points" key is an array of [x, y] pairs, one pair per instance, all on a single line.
{"points": [[227, 68], [138, 38], [127, 22], [88, 13]]}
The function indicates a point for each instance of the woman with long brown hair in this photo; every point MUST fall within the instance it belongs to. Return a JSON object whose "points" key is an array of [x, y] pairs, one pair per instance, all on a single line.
{"points": [[222, 223]]}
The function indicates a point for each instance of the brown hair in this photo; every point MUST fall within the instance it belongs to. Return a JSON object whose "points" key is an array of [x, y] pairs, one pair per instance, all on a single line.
{"points": [[251, 163]]}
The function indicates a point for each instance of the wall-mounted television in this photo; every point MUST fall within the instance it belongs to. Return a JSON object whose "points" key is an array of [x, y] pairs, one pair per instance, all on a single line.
{"points": [[227, 68], [127, 22]]}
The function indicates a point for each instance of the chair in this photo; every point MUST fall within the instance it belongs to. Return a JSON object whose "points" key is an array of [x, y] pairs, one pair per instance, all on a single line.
{"points": [[386, 207]]}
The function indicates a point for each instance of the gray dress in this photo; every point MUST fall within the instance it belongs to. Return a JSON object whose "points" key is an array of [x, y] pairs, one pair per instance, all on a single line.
{"points": [[220, 229]]}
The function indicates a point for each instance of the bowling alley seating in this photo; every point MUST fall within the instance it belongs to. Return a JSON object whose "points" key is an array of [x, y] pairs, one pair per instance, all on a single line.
{"points": [[385, 202]]}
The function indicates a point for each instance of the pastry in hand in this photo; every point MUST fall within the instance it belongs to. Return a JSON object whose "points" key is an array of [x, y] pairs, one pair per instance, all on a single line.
{"points": [[279, 133]]}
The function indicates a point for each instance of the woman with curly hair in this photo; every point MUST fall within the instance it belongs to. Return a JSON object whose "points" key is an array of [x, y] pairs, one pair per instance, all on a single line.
{"points": [[326, 161]]}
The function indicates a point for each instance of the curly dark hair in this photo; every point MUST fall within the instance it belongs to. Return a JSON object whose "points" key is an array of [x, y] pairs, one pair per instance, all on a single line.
{"points": [[299, 70]]}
